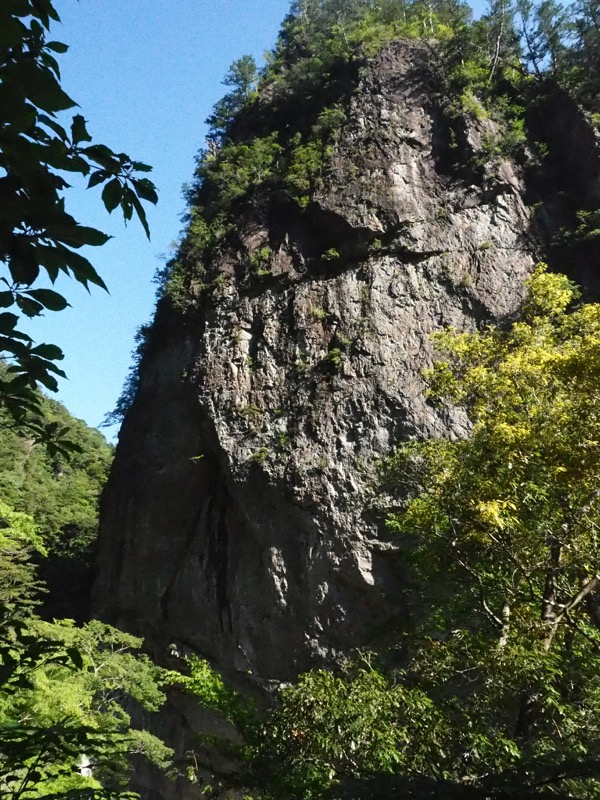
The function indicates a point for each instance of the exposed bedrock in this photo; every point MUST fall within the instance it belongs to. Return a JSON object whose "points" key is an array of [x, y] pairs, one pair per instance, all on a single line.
{"points": [[239, 520]]}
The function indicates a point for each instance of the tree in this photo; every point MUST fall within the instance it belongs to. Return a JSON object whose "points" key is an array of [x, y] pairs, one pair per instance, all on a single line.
{"points": [[505, 551], [63, 689], [38, 237], [585, 53], [243, 76], [54, 704]]}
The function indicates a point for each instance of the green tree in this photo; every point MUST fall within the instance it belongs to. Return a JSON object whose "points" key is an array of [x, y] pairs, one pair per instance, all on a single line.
{"points": [[584, 53], [243, 76], [61, 695], [63, 689], [328, 728], [39, 239], [505, 553], [545, 33], [19, 537]]}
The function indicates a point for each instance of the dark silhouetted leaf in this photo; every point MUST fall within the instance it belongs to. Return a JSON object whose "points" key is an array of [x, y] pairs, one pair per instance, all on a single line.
{"points": [[79, 132], [31, 308], [98, 177], [57, 47], [49, 299], [49, 351], [145, 189], [112, 195]]}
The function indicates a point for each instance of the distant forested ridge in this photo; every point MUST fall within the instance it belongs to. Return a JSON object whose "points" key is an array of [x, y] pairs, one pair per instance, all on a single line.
{"points": [[61, 493]]}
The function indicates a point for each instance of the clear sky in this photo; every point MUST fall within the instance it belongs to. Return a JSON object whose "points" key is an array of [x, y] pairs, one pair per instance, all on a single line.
{"points": [[146, 74]]}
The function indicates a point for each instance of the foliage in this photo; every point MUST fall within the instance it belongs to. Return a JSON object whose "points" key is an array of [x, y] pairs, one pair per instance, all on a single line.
{"points": [[238, 169], [243, 76], [208, 687], [504, 530], [18, 539], [58, 705], [60, 494], [63, 691], [327, 727], [586, 228], [500, 688], [62, 688], [490, 67], [250, 172], [260, 261], [38, 238]]}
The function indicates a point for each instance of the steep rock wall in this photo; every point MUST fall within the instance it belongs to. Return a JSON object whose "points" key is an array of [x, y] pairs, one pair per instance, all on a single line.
{"points": [[239, 518]]}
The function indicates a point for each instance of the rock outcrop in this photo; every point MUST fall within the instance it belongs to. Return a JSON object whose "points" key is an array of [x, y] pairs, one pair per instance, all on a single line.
{"points": [[240, 520]]}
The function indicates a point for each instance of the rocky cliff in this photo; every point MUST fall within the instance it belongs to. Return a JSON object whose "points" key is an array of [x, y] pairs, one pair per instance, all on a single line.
{"points": [[240, 520]]}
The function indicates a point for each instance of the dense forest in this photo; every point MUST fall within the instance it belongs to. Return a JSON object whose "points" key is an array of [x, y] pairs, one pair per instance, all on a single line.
{"points": [[498, 693]]}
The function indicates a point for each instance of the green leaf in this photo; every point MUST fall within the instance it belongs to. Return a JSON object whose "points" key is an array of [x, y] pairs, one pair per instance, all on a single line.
{"points": [[139, 210], [75, 657], [31, 308], [12, 32], [112, 195], [145, 189], [98, 177], [39, 85], [49, 351], [44, 10], [58, 129], [81, 235], [24, 268], [49, 299], [139, 166], [57, 47], [6, 299], [82, 270], [46, 380], [102, 155], [8, 322], [19, 8], [127, 205], [79, 132]]}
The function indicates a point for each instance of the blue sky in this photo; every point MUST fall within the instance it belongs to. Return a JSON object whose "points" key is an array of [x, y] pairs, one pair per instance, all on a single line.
{"points": [[146, 74]]}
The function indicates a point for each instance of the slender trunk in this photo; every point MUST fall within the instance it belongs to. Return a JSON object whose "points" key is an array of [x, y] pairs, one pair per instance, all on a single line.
{"points": [[529, 701], [496, 57], [550, 597], [502, 642], [528, 706]]}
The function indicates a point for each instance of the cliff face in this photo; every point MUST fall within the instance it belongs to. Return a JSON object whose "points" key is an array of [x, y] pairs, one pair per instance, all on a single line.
{"points": [[240, 519]]}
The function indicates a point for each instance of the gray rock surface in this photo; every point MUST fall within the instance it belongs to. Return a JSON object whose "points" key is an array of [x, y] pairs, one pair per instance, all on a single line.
{"points": [[239, 519]]}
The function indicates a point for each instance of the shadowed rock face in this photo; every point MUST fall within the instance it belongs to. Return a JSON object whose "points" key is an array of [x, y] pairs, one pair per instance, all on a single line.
{"points": [[239, 517]]}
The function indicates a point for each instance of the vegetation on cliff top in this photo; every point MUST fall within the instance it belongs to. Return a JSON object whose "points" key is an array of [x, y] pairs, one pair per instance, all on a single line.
{"points": [[261, 150]]}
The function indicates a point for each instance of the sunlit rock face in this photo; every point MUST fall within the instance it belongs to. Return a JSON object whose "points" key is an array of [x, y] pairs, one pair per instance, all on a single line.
{"points": [[241, 518]]}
